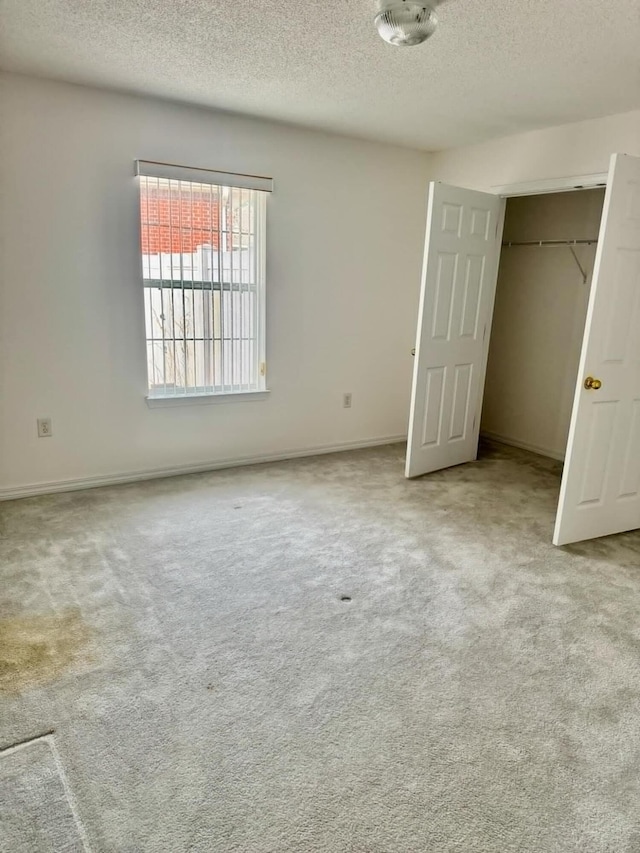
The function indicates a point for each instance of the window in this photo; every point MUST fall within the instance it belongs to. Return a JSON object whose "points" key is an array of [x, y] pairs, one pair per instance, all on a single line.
{"points": [[203, 270]]}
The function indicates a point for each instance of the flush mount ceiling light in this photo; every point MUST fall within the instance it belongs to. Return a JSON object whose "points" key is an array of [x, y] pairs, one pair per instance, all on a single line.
{"points": [[404, 23]]}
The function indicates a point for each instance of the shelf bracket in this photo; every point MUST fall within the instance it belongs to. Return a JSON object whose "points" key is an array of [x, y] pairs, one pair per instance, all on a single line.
{"points": [[577, 260]]}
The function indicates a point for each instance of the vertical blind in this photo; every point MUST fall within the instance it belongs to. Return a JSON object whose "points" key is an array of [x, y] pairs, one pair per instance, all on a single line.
{"points": [[203, 270]]}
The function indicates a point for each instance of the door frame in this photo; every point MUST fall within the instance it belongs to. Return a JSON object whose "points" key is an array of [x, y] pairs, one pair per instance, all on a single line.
{"points": [[547, 186], [569, 183]]}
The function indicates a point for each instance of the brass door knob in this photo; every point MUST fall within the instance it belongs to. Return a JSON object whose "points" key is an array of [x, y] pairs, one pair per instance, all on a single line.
{"points": [[592, 384]]}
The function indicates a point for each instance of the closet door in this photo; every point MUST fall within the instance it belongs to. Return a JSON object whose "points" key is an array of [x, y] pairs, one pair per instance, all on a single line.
{"points": [[600, 492], [462, 248]]}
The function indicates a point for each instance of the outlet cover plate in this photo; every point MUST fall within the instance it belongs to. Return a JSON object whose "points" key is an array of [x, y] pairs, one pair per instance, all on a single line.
{"points": [[44, 428]]}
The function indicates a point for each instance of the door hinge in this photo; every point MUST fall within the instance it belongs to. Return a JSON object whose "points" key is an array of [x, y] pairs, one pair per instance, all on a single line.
{"points": [[474, 423], [484, 332], [263, 368]]}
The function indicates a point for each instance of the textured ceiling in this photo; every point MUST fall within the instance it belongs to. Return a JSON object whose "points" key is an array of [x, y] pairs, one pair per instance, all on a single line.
{"points": [[493, 67]]}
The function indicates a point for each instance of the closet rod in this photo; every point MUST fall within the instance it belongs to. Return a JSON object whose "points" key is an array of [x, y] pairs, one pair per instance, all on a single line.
{"points": [[550, 242], [566, 243]]}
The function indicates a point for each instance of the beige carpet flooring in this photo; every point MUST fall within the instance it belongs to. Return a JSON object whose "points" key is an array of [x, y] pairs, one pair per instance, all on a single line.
{"points": [[318, 656]]}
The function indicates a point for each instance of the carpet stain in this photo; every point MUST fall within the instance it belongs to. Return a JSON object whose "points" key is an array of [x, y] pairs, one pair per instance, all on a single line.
{"points": [[36, 649]]}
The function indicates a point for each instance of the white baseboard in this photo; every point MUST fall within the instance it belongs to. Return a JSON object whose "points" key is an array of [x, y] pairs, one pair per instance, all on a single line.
{"points": [[523, 445], [33, 489]]}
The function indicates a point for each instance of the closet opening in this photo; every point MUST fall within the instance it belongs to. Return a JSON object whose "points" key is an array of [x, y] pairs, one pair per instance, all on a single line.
{"points": [[544, 278]]}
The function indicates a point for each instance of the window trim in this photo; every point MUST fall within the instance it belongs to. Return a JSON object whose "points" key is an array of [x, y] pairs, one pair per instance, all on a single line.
{"points": [[264, 186], [207, 399]]}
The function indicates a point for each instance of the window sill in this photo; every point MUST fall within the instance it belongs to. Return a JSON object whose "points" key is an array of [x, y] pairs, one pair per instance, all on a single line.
{"points": [[207, 399]]}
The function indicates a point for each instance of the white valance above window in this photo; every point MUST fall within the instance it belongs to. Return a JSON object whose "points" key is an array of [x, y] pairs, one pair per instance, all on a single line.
{"points": [[152, 169]]}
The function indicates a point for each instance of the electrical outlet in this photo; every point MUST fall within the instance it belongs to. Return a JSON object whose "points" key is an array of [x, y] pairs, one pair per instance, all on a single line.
{"points": [[44, 427], [346, 400]]}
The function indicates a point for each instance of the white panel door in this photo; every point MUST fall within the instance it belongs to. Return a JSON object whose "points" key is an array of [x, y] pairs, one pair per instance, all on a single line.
{"points": [[600, 492], [462, 248]]}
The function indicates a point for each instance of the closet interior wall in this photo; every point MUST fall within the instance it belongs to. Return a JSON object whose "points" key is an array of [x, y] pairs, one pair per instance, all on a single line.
{"points": [[538, 321]]}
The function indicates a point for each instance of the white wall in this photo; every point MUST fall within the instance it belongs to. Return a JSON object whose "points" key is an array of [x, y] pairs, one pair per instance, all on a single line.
{"points": [[71, 319], [538, 322], [580, 148], [345, 231]]}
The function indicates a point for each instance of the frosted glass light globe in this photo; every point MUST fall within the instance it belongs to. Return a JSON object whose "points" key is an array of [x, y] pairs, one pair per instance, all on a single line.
{"points": [[404, 23]]}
